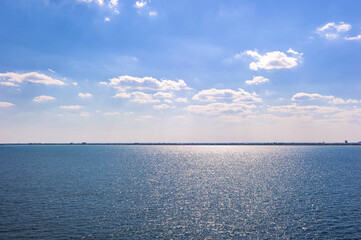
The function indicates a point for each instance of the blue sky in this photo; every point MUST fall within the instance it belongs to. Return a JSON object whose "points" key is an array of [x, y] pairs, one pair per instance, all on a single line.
{"points": [[179, 71]]}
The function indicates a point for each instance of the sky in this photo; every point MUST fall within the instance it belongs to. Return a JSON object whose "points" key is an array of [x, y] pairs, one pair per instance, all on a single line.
{"points": [[180, 71]]}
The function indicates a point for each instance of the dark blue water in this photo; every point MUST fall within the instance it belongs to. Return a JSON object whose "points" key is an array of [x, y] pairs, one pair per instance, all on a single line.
{"points": [[180, 192]]}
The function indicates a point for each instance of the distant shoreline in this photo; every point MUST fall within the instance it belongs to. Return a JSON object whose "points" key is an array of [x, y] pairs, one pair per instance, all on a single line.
{"points": [[183, 144]]}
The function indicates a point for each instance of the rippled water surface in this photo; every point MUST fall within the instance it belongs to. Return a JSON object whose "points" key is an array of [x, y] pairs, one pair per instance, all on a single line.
{"points": [[180, 192]]}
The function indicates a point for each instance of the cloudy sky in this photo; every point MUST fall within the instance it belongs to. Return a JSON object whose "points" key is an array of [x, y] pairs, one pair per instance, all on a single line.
{"points": [[180, 71]]}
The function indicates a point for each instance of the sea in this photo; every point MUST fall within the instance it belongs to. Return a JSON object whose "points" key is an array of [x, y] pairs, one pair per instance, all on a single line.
{"points": [[180, 192]]}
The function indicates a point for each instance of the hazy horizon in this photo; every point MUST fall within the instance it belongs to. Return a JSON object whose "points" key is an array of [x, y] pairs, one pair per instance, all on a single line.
{"points": [[180, 71]]}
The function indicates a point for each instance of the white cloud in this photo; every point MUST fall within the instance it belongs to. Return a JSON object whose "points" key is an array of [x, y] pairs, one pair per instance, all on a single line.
{"points": [[304, 110], [6, 104], [11, 84], [273, 60], [144, 117], [358, 37], [332, 30], [340, 27], [71, 107], [338, 101], [140, 4], [342, 101], [113, 3], [161, 106], [164, 95], [85, 114], [85, 1], [85, 95], [129, 82], [122, 95], [51, 70], [153, 13], [348, 115], [182, 100], [315, 96], [74, 83], [292, 51], [168, 101], [221, 108], [309, 96], [257, 80], [212, 95], [99, 2], [143, 98], [31, 77], [43, 98], [236, 56], [353, 101], [111, 113], [103, 83]]}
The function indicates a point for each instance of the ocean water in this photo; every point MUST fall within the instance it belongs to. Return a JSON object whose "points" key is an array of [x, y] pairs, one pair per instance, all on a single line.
{"points": [[180, 192]]}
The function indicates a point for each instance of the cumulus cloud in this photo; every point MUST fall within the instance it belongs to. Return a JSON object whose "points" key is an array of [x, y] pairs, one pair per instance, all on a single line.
{"points": [[181, 100], [168, 101], [358, 37], [304, 110], [71, 107], [153, 13], [309, 96], [43, 98], [342, 101], [111, 113], [99, 2], [221, 108], [113, 3], [6, 104], [353, 101], [10, 84], [348, 115], [273, 60], [212, 95], [31, 77], [257, 80], [161, 106], [332, 30], [141, 97], [164, 95], [293, 51], [122, 95], [300, 97], [140, 4], [138, 97], [338, 101], [85, 95], [150, 83]]}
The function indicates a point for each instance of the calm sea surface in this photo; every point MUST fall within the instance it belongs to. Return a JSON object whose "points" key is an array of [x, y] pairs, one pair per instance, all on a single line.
{"points": [[180, 192]]}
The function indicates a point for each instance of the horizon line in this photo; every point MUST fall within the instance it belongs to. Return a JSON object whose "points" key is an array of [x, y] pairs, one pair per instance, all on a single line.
{"points": [[186, 143]]}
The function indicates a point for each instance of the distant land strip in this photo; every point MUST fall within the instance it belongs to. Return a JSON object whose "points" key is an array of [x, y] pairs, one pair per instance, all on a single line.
{"points": [[192, 144]]}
